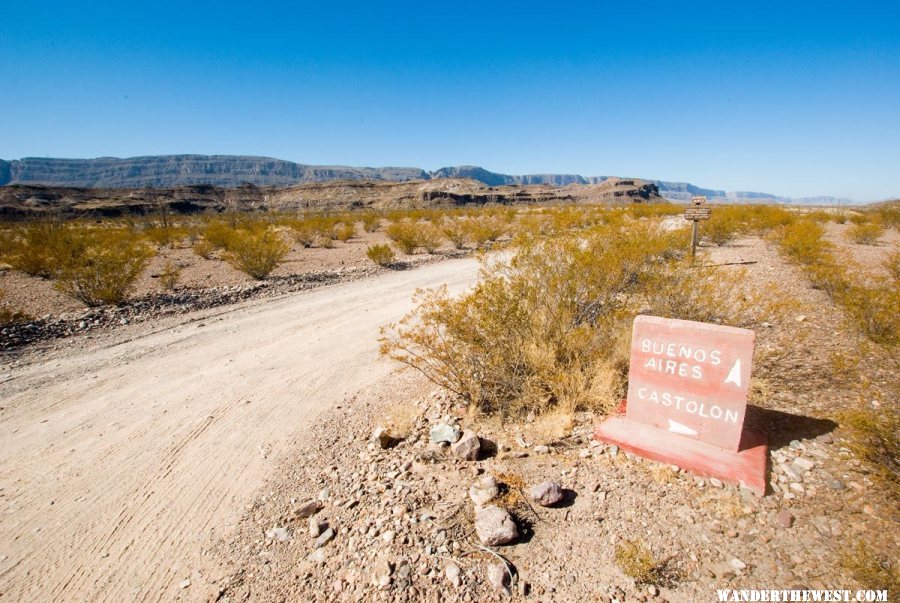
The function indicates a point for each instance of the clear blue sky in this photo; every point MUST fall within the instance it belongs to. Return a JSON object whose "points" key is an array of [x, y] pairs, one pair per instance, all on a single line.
{"points": [[793, 98]]}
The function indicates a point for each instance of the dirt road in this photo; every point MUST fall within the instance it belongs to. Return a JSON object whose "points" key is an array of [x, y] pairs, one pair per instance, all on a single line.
{"points": [[118, 465]]}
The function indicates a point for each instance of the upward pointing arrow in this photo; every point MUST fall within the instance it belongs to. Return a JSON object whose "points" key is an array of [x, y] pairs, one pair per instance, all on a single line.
{"points": [[734, 375]]}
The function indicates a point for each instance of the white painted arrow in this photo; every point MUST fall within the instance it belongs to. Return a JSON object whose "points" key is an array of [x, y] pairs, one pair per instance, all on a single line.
{"points": [[675, 427], [734, 375]]}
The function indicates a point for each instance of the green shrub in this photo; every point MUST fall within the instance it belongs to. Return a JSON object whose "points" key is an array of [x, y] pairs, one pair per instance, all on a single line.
{"points": [[381, 254], [257, 253], [220, 235], [875, 439], [99, 266]]}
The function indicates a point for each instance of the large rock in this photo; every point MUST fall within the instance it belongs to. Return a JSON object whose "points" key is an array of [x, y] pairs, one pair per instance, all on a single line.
{"points": [[468, 446], [484, 491], [495, 526], [546, 494], [307, 508], [444, 432]]}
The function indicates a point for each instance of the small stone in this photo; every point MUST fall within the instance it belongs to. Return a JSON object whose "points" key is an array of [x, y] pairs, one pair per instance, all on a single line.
{"points": [[381, 576], [388, 536], [468, 447], [317, 556], [784, 519], [652, 591], [307, 509], [498, 577], [384, 438], [798, 488], [452, 573], [494, 526], [802, 464], [825, 438], [584, 453], [546, 494], [444, 432], [792, 474], [278, 533], [738, 564], [613, 450], [324, 538], [484, 491], [315, 527], [541, 449], [836, 484], [184, 583], [716, 483]]}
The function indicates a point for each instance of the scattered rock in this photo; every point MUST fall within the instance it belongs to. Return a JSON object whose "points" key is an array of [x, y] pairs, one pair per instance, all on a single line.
{"points": [[495, 526], [468, 446], [452, 572], [716, 483], [184, 583], [444, 432], [784, 519], [484, 491], [307, 509], [802, 464], [381, 575], [546, 494], [384, 438], [315, 527], [836, 484], [324, 538], [541, 449], [738, 564], [498, 577], [279, 533]]}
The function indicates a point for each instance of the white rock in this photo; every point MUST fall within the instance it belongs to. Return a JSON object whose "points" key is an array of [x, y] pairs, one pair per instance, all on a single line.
{"points": [[546, 494], [494, 526], [484, 491], [468, 447], [452, 573]]}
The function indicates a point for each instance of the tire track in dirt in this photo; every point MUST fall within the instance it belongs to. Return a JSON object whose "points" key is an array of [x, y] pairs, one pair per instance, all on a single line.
{"points": [[119, 465]]}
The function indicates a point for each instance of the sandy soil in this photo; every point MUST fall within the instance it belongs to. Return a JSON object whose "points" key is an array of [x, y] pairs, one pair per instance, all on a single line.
{"points": [[119, 462]]}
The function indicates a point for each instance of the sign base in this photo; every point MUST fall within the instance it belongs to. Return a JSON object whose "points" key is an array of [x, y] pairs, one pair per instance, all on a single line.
{"points": [[746, 467]]}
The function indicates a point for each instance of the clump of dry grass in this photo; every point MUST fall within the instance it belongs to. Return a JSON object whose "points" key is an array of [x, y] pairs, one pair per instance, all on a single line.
{"points": [[637, 562], [10, 316], [512, 490], [170, 275], [381, 254], [871, 571]]}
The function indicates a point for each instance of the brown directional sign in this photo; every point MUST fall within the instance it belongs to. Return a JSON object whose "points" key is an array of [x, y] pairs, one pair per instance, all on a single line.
{"points": [[697, 213]]}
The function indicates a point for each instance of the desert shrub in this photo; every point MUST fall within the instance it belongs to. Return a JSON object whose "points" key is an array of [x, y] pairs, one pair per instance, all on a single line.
{"points": [[637, 562], [456, 232], [304, 233], [874, 309], [257, 253], [802, 241], [344, 232], [10, 316], [889, 214], [892, 264], [204, 249], [318, 229], [38, 249], [723, 225], [482, 231], [840, 217], [220, 235], [406, 235], [870, 570], [866, 233], [381, 254], [539, 331], [430, 237], [875, 439], [99, 266], [654, 210], [163, 236], [168, 278], [371, 222]]}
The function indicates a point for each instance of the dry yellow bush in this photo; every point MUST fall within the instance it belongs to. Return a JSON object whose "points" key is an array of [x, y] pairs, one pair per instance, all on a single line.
{"points": [[168, 278], [204, 249], [100, 265], [866, 233], [381, 254], [637, 562], [257, 253], [871, 571]]}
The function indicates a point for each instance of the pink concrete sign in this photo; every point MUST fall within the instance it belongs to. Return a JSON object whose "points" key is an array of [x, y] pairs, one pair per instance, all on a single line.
{"points": [[690, 378]]}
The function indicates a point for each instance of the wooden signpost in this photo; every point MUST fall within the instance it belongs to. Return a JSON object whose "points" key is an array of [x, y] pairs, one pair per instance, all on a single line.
{"points": [[687, 396], [696, 212]]}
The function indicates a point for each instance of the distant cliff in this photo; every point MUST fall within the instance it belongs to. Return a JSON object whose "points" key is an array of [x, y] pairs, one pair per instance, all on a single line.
{"points": [[229, 171]]}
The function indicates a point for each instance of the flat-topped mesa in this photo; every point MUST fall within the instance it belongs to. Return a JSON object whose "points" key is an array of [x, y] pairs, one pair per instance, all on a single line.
{"points": [[22, 201]]}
